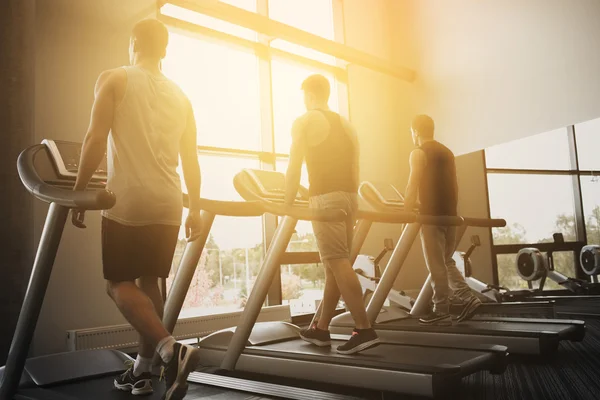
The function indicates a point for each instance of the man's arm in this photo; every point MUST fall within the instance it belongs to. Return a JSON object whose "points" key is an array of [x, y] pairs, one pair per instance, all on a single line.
{"points": [[94, 144], [188, 150], [297, 152], [418, 161]]}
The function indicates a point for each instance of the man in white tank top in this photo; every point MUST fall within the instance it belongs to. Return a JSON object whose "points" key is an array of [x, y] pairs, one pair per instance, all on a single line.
{"points": [[144, 123]]}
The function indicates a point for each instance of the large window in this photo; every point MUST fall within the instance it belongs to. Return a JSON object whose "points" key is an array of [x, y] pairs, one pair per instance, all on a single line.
{"points": [[590, 191], [245, 101], [542, 185], [548, 150], [223, 86], [534, 206], [230, 262], [564, 262]]}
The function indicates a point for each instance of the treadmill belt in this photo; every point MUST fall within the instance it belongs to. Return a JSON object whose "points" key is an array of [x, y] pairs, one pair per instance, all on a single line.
{"points": [[519, 329], [395, 357]]}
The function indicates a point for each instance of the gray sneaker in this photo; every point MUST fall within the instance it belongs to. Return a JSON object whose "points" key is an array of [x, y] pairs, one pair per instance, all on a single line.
{"points": [[469, 309]]}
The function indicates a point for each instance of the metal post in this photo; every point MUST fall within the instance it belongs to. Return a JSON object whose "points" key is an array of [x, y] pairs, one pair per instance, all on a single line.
{"points": [[423, 300], [361, 230], [247, 272], [34, 298], [392, 270], [183, 277], [259, 292]]}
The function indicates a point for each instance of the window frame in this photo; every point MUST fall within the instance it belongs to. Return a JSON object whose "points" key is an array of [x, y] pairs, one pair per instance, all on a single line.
{"points": [[580, 227]]}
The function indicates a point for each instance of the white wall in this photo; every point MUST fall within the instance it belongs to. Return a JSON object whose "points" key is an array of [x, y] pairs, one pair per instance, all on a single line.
{"points": [[493, 71]]}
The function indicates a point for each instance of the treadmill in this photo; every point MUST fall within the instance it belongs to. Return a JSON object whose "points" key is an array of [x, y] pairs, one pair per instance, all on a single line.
{"points": [[274, 349], [48, 171], [519, 335]]}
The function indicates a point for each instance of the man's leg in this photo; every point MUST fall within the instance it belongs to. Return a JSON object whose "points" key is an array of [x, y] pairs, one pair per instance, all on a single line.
{"points": [[130, 252], [433, 240], [331, 296], [457, 281], [143, 362], [138, 309]]}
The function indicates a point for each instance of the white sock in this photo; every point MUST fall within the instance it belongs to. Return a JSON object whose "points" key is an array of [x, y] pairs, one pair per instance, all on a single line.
{"points": [[165, 348], [142, 365]]}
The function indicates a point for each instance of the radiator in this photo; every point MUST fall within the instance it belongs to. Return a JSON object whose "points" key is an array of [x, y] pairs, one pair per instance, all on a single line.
{"points": [[124, 337]]}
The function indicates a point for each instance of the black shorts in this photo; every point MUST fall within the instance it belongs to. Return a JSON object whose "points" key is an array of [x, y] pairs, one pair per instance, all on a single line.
{"points": [[130, 252]]}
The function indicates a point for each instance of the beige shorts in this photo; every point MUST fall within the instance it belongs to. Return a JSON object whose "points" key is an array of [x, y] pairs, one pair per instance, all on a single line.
{"points": [[334, 239]]}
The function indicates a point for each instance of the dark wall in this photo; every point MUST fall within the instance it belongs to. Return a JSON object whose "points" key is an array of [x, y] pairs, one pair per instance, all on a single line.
{"points": [[17, 98]]}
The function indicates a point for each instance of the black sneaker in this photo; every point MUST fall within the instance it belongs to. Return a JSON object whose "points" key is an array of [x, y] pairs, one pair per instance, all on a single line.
{"points": [[316, 336], [137, 385], [175, 372], [469, 309], [360, 340], [436, 318]]}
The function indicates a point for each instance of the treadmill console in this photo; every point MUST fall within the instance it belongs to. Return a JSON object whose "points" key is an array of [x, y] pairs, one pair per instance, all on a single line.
{"points": [[66, 155]]}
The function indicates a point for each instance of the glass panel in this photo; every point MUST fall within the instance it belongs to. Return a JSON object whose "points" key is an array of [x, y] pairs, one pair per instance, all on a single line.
{"points": [[214, 23], [564, 262], [302, 287], [548, 150], [587, 135], [507, 272], [590, 192], [314, 16], [303, 239], [288, 100], [223, 86], [534, 206], [508, 277], [229, 263]]}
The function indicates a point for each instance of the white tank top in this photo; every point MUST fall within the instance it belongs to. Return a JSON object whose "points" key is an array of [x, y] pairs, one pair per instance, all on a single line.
{"points": [[143, 151]]}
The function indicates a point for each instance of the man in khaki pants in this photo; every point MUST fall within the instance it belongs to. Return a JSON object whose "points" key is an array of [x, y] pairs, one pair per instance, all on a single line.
{"points": [[329, 144], [433, 180]]}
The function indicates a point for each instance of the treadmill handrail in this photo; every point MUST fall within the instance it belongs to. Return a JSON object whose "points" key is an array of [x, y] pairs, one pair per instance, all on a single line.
{"points": [[305, 214], [86, 200], [485, 222], [400, 217], [440, 220], [275, 207]]}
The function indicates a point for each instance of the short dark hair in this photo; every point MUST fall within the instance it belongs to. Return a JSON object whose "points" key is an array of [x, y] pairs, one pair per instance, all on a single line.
{"points": [[152, 37], [318, 85], [424, 125]]}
